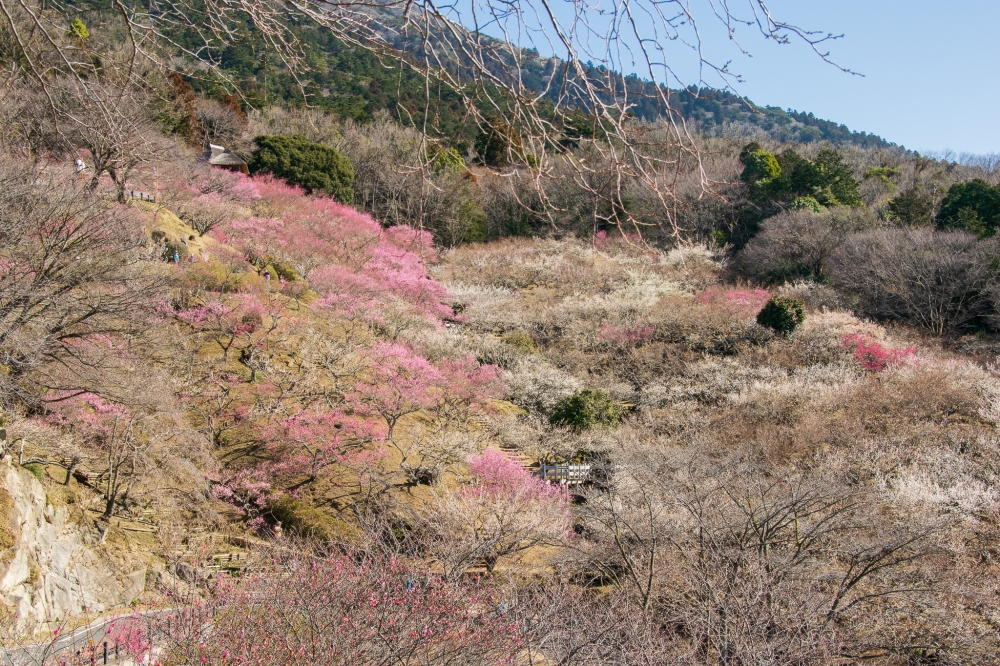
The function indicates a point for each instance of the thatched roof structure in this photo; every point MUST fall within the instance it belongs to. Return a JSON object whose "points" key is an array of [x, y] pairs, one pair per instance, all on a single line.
{"points": [[219, 156]]}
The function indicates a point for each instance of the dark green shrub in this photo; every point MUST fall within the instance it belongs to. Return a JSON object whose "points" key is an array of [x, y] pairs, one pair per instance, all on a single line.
{"points": [[585, 409], [912, 208], [973, 206], [309, 165], [788, 175], [782, 314], [499, 144]]}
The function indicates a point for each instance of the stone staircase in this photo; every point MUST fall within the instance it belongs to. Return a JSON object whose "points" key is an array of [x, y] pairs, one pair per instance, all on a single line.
{"points": [[517, 455]]}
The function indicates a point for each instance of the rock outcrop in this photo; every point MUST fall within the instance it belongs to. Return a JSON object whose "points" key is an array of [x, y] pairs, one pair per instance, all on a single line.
{"points": [[51, 568]]}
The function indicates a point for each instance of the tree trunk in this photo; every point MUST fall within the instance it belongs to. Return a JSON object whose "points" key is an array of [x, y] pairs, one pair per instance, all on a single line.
{"points": [[109, 508], [112, 494]]}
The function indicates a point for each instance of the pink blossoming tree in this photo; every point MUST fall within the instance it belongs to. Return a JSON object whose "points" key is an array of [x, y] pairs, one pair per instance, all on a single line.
{"points": [[350, 609], [873, 355], [504, 512], [740, 302]]}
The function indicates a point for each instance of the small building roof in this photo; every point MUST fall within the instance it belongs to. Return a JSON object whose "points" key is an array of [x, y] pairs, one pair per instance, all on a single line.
{"points": [[220, 156]]}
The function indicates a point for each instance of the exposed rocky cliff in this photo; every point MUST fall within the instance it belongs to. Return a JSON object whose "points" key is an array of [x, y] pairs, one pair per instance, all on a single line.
{"points": [[52, 568]]}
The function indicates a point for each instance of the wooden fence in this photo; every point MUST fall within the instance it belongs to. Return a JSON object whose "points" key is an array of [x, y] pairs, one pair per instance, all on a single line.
{"points": [[567, 474], [141, 196]]}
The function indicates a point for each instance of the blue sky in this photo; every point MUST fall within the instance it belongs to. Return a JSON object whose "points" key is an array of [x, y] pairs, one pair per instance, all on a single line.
{"points": [[930, 70], [929, 66]]}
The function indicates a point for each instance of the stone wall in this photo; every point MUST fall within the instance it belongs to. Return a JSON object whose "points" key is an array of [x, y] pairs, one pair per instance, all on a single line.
{"points": [[52, 569]]}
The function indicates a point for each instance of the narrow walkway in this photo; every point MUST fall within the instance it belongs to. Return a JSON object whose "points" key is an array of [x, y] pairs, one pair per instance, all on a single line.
{"points": [[85, 645]]}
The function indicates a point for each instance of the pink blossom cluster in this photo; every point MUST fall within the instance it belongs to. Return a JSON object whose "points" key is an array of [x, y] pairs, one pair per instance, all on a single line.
{"points": [[740, 302], [95, 419], [218, 185], [204, 313], [633, 335], [352, 609], [497, 474], [347, 257], [241, 322], [311, 439], [399, 381], [246, 493], [873, 355], [317, 437]]}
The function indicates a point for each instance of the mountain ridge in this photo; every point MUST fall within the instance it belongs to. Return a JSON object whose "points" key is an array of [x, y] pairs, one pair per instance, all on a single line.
{"points": [[354, 83]]}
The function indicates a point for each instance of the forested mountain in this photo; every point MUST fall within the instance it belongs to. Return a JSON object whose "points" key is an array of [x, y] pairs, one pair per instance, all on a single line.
{"points": [[354, 83]]}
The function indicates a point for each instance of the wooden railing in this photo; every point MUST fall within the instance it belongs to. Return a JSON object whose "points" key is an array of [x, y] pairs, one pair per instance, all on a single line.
{"points": [[141, 196], [567, 474]]}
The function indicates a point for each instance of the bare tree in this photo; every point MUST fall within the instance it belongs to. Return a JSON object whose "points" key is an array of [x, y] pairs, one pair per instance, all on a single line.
{"points": [[798, 244], [387, 169], [123, 450], [754, 566], [935, 280], [113, 124], [72, 270], [222, 123]]}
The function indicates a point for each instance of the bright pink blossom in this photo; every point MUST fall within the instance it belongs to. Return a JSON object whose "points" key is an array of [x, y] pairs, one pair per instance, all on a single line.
{"points": [[346, 256], [873, 355], [244, 492], [317, 438], [398, 382], [499, 475]]}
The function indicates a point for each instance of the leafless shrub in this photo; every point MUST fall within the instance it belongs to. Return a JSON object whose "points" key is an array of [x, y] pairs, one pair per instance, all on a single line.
{"points": [[816, 296], [565, 624], [313, 124], [26, 127], [931, 279], [221, 124], [750, 562], [538, 386], [72, 271], [798, 244]]}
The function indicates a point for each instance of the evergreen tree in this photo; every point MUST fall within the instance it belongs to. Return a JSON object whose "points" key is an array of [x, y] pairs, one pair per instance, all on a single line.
{"points": [[912, 208], [973, 206], [836, 180], [309, 165], [761, 168], [585, 409], [782, 315]]}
